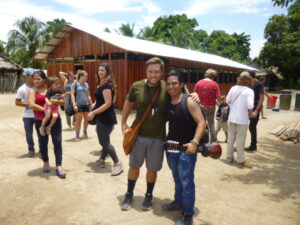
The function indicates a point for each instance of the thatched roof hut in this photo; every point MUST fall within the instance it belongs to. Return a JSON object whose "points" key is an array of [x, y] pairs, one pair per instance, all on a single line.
{"points": [[10, 75]]}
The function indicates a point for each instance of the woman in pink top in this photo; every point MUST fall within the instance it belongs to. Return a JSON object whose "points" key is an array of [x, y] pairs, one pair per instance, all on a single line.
{"points": [[36, 101]]}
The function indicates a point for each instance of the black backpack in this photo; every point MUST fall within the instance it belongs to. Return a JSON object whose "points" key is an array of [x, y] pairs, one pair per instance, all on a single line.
{"points": [[188, 116], [69, 109]]}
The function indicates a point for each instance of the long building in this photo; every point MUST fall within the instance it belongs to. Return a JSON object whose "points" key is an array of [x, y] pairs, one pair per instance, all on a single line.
{"points": [[74, 48]]}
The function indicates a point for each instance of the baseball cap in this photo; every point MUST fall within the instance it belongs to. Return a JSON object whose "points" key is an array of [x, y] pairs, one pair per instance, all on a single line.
{"points": [[29, 72]]}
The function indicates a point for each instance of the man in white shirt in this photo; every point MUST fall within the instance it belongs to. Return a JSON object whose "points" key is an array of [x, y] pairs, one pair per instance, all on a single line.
{"points": [[28, 117], [241, 97]]}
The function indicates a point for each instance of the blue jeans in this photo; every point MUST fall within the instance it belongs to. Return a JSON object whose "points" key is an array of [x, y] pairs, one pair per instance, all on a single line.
{"points": [[183, 166], [56, 140], [28, 126]]}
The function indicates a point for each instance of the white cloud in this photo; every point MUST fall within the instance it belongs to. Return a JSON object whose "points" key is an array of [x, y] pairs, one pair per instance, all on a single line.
{"points": [[256, 46], [91, 7], [200, 7], [18, 9]]}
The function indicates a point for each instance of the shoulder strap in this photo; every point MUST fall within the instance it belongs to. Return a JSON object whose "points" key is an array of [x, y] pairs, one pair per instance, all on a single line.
{"points": [[149, 107], [238, 95]]}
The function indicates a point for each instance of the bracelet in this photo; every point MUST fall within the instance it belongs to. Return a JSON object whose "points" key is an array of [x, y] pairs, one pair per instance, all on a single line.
{"points": [[195, 142], [74, 105]]}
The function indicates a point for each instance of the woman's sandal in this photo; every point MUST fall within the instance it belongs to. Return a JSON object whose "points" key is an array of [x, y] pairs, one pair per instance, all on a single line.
{"points": [[46, 169], [60, 173]]}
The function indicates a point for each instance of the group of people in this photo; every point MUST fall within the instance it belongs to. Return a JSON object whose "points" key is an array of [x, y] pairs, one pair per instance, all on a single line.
{"points": [[41, 96], [170, 106]]}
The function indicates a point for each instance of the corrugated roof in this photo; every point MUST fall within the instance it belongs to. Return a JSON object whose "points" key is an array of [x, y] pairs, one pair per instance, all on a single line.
{"points": [[146, 47]]}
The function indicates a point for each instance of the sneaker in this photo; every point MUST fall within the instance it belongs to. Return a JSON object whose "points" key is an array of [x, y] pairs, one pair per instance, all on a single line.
{"points": [[117, 170], [127, 202], [100, 163], [30, 154], [148, 202], [77, 139], [48, 130], [251, 148], [172, 206], [85, 135], [246, 164], [42, 131], [185, 220]]}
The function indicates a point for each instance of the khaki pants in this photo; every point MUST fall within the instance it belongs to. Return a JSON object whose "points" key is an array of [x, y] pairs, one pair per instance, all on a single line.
{"points": [[210, 117], [237, 133]]}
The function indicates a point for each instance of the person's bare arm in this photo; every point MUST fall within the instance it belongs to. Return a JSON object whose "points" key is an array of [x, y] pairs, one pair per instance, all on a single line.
{"points": [[63, 78], [90, 99], [59, 102], [19, 102], [261, 100], [31, 102], [198, 117], [126, 111], [73, 99]]}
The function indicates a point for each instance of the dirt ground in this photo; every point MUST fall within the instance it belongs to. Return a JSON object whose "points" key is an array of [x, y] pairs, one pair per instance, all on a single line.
{"points": [[227, 194]]}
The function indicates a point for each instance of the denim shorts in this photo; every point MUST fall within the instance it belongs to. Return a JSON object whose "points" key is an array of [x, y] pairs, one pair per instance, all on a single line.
{"points": [[83, 108]]}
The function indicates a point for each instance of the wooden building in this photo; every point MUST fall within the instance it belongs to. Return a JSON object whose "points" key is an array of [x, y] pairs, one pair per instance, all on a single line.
{"points": [[73, 48]]}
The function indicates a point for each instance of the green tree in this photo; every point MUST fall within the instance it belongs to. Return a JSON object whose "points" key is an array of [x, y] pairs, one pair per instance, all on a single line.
{"points": [[174, 29], [106, 29], [282, 48], [53, 27], [201, 40], [26, 40], [2, 47], [126, 30], [148, 33], [282, 3], [243, 47]]}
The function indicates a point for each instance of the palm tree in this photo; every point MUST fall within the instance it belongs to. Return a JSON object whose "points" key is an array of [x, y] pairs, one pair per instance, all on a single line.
{"points": [[180, 37], [126, 30], [27, 38]]}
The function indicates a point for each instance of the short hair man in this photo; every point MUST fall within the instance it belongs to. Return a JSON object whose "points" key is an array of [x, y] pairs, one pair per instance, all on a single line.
{"points": [[152, 132], [259, 91], [188, 133], [241, 98], [209, 91], [22, 100]]}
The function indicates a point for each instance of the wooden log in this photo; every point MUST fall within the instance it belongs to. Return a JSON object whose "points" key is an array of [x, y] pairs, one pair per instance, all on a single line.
{"points": [[277, 129], [294, 132], [282, 130], [285, 135]]}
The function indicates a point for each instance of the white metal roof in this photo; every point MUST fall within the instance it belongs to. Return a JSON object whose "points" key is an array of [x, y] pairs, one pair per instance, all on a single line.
{"points": [[146, 47]]}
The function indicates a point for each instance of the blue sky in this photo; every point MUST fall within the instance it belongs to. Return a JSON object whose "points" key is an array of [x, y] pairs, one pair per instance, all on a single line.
{"points": [[248, 16]]}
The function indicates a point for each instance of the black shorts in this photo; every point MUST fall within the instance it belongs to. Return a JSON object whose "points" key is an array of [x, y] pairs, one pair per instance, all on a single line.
{"points": [[83, 108]]}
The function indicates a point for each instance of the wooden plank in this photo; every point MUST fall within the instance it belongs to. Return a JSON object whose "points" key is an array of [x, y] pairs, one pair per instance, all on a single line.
{"points": [[277, 129]]}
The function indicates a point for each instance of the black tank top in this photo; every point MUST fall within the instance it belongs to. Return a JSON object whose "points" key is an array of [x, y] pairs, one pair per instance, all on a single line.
{"points": [[180, 129]]}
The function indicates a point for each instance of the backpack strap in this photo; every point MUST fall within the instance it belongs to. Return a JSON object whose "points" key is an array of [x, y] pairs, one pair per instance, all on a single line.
{"points": [[188, 116]]}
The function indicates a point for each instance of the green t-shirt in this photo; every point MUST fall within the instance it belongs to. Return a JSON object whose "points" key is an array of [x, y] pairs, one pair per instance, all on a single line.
{"points": [[154, 126]]}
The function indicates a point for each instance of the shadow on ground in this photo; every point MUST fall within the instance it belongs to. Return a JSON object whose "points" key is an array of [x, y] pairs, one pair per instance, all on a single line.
{"points": [[278, 171], [157, 208], [94, 168], [39, 173]]}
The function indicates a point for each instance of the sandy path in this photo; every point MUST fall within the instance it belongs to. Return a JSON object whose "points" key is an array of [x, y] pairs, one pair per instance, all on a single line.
{"points": [[226, 194]]}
